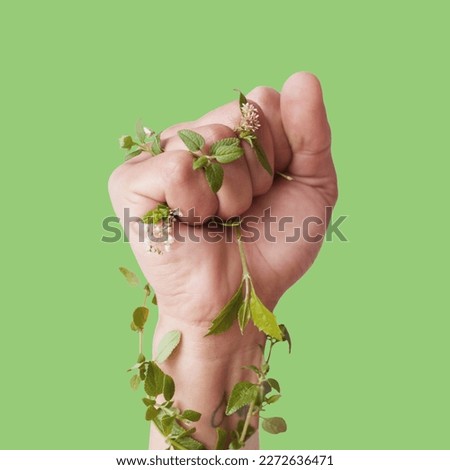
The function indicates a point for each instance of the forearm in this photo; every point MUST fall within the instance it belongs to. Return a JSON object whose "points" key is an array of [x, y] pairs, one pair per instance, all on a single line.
{"points": [[205, 369]]}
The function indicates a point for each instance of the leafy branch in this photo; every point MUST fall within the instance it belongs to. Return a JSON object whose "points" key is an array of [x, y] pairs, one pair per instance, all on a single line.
{"points": [[147, 141]]}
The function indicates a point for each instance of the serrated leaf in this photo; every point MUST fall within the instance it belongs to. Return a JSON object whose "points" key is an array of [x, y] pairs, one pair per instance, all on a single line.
{"points": [[191, 415], [273, 399], [186, 432], [227, 142], [168, 423], [156, 145], [186, 443], [140, 131], [193, 141], [274, 425], [154, 382], [228, 154], [274, 384], [262, 157], [244, 315], [263, 318], [140, 316], [221, 439], [243, 393], [242, 98], [214, 176], [135, 381], [151, 413], [286, 336], [129, 276], [200, 162], [167, 345], [133, 154], [168, 387], [228, 314]]}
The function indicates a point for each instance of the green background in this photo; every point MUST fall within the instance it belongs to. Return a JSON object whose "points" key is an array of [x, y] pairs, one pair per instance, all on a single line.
{"points": [[370, 364]]}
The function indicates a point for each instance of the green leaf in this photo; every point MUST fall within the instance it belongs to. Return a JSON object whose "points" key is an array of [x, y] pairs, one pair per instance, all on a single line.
{"points": [[148, 401], [135, 381], [186, 443], [274, 384], [126, 142], [147, 289], [167, 345], [140, 131], [286, 336], [254, 369], [140, 316], [228, 154], [214, 176], [263, 318], [156, 145], [228, 142], [154, 382], [154, 300], [221, 439], [129, 276], [274, 425], [200, 162], [186, 432], [151, 413], [226, 317], [273, 398], [168, 387], [242, 98], [244, 315], [262, 157], [191, 415], [243, 393], [193, 141], [141, 358], [133, 326], [133, 154]]}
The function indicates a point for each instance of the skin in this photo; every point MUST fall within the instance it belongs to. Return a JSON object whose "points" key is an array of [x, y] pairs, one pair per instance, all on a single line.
{"points": [[196, 279]]}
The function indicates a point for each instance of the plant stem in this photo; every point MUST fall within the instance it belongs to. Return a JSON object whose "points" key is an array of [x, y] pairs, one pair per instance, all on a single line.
{"points": [[245, 272], [247, 422], [140, 341], [287, 177]]}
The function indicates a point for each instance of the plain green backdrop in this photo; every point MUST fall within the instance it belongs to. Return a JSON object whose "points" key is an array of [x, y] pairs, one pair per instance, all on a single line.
{"points": [[370, 320]]}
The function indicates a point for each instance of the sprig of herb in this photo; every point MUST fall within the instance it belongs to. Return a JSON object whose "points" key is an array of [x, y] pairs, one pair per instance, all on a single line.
{"points": [[147, 141]]}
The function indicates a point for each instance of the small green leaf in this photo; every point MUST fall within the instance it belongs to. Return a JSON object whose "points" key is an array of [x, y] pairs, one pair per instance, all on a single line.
{"points": [[147, 289], [193, 141], [244, 315], [156, 145], [140, 316], [221, 439], [148, 401], [142, 372], [228, 154], [186, 443], [191, 415], [214, 176], [273, 398], [126, 142], [140, 131], [226, 317], [129, 276], [274, 384], [141, 358], [262, 157], [186, 432], [243, 393], [133, 326], [133, 154], [274, 425], [242, 98], [168, 387], [154, 300], [135, 381], [154, 382], [200, 162], [228, 142], [254, 369], [286, 336], [151, 413], [263, 318], [167, 345]]}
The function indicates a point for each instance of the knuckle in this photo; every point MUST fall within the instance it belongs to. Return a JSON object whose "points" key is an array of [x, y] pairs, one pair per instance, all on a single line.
{"points": [[178, 168], [265, 96]]}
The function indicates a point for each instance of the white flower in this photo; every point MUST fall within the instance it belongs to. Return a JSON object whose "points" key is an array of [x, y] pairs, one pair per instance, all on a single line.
{"points": [[250, 118], [148, 132]]}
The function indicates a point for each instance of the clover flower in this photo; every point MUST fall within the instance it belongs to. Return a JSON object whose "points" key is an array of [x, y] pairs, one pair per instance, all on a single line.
{"points": [[249, 118]]}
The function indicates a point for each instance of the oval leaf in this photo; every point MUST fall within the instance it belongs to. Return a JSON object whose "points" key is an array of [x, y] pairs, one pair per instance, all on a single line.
{"points": [[227, 142], [214, 176], [167, 345], [274, 425], [242, 394], [228, 154], [168, 387], [135, 382], [140, 316], [191, 415], [200, 162], [154, 382], [221, 440], [263, 318], [274, 384], [129, 276], [193, 141], [226, 317]]}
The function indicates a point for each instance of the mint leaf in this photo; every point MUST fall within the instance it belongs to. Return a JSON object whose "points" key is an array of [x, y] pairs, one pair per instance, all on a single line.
{"points": [[227, 142], [273, 398], [167, 345], [221, 439], [140, 131], [243, 393], [228, 154], [263, 318], [286, 336], [129, 276], [126, 142], [243, 316], [214, 176], [168, 387], [140, 316], [154, 382], [151, 413], [135, 382], [262, 157], [191, 415], [200, 162], [226, 317], [186, 443], [193, 141], [156, 145], [274, 383], [274, 425]]}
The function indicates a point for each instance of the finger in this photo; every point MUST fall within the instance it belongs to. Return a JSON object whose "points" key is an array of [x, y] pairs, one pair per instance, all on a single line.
{"points": [[236, 194], [305, 122]]}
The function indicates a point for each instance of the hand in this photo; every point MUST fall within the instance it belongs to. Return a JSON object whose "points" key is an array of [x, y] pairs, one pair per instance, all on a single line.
{"points": [[196, 279]]}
